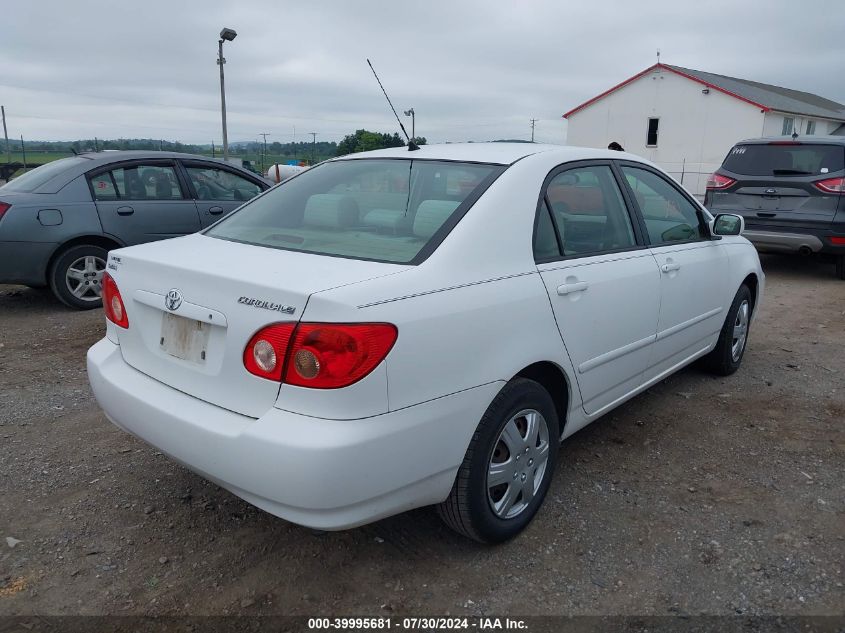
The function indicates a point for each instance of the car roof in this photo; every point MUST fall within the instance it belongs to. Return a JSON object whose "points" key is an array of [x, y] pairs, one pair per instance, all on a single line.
{"points": [[493, 152], [111, 156], [814, 140]]}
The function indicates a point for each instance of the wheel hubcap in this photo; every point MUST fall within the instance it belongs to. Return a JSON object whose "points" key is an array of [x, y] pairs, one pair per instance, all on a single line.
{"points": [[84, 278], [518, 463], [740, 333]]}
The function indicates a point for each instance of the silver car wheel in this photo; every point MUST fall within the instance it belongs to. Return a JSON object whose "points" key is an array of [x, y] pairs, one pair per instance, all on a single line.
{"points": [[518, 463], [84, 278], [740, 332]]}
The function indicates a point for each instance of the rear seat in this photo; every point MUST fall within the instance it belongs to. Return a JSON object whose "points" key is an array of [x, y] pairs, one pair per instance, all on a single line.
{"points": [[331, 210]]}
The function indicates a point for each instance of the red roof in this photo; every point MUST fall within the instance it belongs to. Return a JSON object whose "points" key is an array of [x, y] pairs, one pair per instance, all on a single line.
{"points": [[670, 69]]}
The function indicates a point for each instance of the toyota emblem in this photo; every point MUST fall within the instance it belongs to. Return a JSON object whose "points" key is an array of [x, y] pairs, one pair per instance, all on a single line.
{"points": [[173, 299]]}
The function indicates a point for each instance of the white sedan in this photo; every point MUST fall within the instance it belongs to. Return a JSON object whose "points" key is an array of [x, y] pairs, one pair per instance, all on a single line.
{"points": [[395, 329]]}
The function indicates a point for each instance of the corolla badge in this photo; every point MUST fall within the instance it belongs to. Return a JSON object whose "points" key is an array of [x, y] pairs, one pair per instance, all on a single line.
{"points": [[173, 299]]}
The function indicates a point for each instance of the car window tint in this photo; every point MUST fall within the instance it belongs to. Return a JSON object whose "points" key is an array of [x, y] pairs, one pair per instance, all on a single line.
{"points": [[545, 241], [31, 180], [589, 211], [785, 159], [138, 182], [212, 183], [669, 216], [383, 210], [103, 187]]}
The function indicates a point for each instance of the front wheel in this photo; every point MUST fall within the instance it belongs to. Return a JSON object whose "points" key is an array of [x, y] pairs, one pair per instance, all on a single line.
{"points": [[726, 357], [76, 276], [508, 466]]}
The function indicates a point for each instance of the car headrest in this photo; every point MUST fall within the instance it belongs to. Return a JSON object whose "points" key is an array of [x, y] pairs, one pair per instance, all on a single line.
{"points": [[431, 214], [331, 210]]}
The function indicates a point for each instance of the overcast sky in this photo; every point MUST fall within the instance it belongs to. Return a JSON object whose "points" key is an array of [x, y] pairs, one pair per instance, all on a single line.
{"points": [[471, 69]]}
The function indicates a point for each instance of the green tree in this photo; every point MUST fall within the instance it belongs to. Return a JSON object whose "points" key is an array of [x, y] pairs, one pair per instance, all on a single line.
{"points": [[365, 141]]}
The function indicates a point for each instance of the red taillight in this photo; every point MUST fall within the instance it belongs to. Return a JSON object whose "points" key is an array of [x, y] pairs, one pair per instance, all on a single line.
{"points": [[718, 181], [265, 354], [831, 185], [319, 355], [113, 303], [4, 206], [837, 241]]}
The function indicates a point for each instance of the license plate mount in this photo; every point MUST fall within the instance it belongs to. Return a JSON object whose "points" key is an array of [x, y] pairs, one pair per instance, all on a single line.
{"points": [[186, 339]]}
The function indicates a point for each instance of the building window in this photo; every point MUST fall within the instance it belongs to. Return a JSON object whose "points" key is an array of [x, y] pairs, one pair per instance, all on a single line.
{"points": [[651, 134], [811, 127], [788, 122]]}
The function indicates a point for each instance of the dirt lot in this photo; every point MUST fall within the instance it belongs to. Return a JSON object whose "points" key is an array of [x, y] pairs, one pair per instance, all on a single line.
{"points": [[702, 496]]}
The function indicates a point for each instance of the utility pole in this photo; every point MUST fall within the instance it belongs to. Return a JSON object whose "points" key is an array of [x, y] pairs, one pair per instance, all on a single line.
{"points": [[533, 121], [6, 135], [264, 153], [313, 147], [212, 149], [225, 35], [23, 151], [96, 149]]}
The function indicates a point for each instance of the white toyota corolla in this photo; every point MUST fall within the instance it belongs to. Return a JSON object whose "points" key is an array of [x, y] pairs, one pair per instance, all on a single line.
{"points": [[399, 328]]}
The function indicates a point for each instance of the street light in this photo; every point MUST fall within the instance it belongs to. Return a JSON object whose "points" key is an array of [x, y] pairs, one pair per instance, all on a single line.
{"points": [[225, 35], [410, 113]]}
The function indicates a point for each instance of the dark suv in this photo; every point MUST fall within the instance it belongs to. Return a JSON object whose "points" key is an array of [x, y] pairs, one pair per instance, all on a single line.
{"points": [[791, 192]]}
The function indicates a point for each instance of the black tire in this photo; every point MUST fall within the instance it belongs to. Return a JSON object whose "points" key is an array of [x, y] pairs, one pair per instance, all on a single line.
{"points": [[840, 266], [723, 360], [468, 510], [58, 276]]}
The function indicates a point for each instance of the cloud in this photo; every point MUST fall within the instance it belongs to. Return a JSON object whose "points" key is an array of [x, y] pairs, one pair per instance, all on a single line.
{"points": [[472, 70]]}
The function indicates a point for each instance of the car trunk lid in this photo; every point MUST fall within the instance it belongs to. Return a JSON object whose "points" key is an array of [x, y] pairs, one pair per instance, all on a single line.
{"points": [[194, 303]]}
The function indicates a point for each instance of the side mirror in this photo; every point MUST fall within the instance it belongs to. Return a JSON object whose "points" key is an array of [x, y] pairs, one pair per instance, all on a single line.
{"points": [[728, 224]]}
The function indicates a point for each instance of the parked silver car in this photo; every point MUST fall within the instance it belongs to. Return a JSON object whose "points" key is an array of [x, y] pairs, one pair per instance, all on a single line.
{"points": [[58, 222]]}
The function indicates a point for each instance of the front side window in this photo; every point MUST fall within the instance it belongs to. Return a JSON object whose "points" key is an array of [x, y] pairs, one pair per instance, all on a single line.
{"points": [[668, 215], [589, 212], [382, 210], [138, 182], [213, 183]]}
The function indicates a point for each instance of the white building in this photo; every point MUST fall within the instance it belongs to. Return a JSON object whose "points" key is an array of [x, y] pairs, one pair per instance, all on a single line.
{"points": [[687, 120]]}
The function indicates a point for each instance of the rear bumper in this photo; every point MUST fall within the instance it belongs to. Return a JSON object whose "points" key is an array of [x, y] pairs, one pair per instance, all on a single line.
{"points": [[25, 262], [795, 240], [770, 241], [325, 474]]}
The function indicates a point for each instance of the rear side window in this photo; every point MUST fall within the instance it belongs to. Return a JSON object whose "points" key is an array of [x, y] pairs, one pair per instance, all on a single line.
{"points": [[382, 210], [786, 159], [138, 182], [588, 210]]}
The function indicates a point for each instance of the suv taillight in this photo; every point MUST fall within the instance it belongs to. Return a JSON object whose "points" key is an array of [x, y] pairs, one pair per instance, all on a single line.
{"points": [[718, 181], [4, 206], [319, 355], [831, 185], [113, 303]]}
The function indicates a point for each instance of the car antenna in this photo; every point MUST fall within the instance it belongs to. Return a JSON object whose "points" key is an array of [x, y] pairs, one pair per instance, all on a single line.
{"points": [[411, 145]]}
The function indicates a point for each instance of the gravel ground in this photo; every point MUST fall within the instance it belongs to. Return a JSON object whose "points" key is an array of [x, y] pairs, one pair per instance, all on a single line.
{"points": [[702, 496]]}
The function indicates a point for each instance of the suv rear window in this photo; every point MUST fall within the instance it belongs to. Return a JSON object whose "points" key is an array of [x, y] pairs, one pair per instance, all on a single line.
{"points": [[786, 159], [376, 209]]}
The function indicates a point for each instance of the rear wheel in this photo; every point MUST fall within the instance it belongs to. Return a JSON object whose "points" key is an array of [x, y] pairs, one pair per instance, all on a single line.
{"points": [[726, 357], [840, 266], [76, 276], [508, 466]]}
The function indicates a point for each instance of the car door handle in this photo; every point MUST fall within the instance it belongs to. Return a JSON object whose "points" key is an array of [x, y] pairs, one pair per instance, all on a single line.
{"points": [[668, 268], [568, 289], [766, 215], [215, 210], [125, 210]]}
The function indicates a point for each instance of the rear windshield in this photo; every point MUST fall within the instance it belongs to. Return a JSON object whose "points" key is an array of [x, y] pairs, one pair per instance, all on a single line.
{"points": [[785, 160], [376, 209], [31, 180]]}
